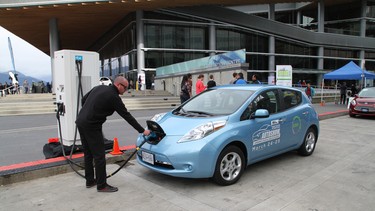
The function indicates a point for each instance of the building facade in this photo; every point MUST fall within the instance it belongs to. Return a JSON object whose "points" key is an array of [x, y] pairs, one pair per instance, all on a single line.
{"points": [[311, 37]]}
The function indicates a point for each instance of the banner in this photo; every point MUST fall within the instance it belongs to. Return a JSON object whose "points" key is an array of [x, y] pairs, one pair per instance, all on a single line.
{"points": [[233, 57]]}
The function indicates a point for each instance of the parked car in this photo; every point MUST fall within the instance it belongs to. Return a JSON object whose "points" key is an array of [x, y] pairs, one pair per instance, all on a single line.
{"points": [[363, 103], [219, 132], [105, 81]]}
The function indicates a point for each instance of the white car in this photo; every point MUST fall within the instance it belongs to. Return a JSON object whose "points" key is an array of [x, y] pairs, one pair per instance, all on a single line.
{"points": [[105, 81]]}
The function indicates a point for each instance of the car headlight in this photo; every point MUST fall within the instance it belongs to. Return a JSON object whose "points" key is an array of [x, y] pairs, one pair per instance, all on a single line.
{"points": [[157, 117], [202, 131], [353, 102]]}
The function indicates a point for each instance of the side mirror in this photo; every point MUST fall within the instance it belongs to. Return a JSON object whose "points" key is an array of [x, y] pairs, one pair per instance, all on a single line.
{"points": [[261, 113]]}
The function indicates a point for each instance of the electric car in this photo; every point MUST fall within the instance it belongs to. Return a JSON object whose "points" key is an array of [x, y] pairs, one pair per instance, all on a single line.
{"points": [[219, 132]]}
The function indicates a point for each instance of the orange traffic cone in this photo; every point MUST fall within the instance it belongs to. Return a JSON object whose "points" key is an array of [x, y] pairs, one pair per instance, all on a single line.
{"points": [[116, 148]]}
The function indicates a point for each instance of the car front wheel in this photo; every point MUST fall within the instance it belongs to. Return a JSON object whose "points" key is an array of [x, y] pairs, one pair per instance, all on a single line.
{"points": [[229, 166], [309, 143]]}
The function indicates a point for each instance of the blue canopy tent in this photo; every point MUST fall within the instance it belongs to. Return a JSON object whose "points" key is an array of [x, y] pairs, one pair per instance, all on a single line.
{"points": [[350, 71]]}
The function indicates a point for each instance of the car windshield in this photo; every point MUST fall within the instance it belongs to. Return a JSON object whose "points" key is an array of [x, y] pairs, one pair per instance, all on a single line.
{"points": [[215, 102], [367, 92]]}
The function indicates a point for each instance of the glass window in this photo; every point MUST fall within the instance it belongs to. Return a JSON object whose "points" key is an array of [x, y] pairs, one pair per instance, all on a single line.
{"points": [[231, 39], [266, 100], [290, 47], [216, 102], [291, 98]]}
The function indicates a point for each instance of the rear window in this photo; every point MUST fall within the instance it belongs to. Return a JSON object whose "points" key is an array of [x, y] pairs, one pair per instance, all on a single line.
{"points": [[291, 98]]}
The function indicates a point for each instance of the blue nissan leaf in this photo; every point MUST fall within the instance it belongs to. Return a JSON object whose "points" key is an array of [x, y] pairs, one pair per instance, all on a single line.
{"points": [[219, 132]]}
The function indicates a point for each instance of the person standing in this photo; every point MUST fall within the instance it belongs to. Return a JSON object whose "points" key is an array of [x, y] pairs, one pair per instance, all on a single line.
{"points": [[139, 83], [184, 93], [353, 89], [255, 80], [199, 86], [211, 82], [99, 103], [234, 79], [25, 86], [343, 89], [310, 92], [190, 87], [240, 79]]}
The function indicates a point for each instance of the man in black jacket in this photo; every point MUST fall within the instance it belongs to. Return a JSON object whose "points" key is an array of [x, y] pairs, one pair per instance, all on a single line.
{"points": [[99, 103]]}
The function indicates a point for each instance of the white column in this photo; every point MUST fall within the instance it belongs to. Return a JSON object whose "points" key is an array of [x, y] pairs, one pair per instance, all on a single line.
{"points": [[140, 46]]}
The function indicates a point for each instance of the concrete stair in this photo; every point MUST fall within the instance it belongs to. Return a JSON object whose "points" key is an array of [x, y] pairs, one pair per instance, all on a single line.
{"points": [[28, 104]]}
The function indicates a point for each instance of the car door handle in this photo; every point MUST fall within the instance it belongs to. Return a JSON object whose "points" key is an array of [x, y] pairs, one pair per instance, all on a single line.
{"points": [[278, 121], [305, 113], [282, 120]]}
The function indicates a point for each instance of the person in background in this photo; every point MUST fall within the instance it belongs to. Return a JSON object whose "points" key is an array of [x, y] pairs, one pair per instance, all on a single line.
{"points": [[240, 79], [1, 90], [343, 89], [211, 82], [25, 86], [139, 83], [310, 92], [184, 93], [199, 86], [99, 103], [353, 89], [190, 87], [234, 79], [254, 79]]}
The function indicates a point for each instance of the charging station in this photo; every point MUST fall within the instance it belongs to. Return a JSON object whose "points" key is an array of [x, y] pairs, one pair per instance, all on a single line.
{"points": [[75, 73]]}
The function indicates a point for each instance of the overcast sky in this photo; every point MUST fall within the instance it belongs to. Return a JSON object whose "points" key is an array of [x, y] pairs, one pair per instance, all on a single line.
{"points": [[28, 59]]}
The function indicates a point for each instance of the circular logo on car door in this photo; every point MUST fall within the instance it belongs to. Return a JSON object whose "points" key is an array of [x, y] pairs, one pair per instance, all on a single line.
{"points": [[296, 124]]}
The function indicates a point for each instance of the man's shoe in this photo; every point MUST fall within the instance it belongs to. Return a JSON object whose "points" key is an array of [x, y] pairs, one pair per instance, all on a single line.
{"points": [[90, 184], [108, 188]]}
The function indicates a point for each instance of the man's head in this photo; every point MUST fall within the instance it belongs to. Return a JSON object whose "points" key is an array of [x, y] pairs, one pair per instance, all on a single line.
{"points": [[121, 84], [234, 75], [254, 77]]}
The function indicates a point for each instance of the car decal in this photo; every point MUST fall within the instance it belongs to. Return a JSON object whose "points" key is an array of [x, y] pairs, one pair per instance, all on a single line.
{"points": [[296, 124], [266, 136]]}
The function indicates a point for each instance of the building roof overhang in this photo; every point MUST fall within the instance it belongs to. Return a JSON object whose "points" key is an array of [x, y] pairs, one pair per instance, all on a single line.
{"points": [[82, 23]]}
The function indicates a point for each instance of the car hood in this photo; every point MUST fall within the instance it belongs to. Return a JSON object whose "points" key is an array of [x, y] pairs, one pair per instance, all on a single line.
{"points": [[179, 126], [365, 99]]}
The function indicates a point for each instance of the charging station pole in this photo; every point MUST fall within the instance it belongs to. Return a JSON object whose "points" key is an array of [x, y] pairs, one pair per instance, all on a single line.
{"points": [[74, 73]]}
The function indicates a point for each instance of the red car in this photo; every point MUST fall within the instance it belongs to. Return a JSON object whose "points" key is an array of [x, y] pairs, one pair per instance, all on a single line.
{"points": [[363, 103]]}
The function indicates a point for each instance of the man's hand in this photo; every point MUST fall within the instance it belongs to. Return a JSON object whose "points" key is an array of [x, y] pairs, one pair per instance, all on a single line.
{"points": [[146, 132]]}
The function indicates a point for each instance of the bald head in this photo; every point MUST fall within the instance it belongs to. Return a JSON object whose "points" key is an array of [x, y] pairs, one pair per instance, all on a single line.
{"points": [[121, 83]]}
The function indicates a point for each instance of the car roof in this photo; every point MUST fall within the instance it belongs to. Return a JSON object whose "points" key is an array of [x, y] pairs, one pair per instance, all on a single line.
{"points": [[253, 87]]}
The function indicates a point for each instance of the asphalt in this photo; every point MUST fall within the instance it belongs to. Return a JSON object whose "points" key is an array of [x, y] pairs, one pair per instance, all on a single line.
{"points": [[297, 185]]}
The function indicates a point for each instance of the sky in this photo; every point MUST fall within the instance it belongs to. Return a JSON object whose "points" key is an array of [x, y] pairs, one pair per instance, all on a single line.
{"points": [[28, 59]]}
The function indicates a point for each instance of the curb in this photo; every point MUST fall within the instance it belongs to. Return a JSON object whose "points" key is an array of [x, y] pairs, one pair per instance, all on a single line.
{"points": [[328, 115], [44, 168]]}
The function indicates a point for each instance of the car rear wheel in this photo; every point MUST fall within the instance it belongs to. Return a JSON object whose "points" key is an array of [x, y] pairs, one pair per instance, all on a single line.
{"points": [[229, 166], [309, 143]]}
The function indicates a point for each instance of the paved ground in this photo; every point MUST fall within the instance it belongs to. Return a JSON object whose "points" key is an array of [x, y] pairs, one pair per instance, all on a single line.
{"points": [[338, 176]]}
